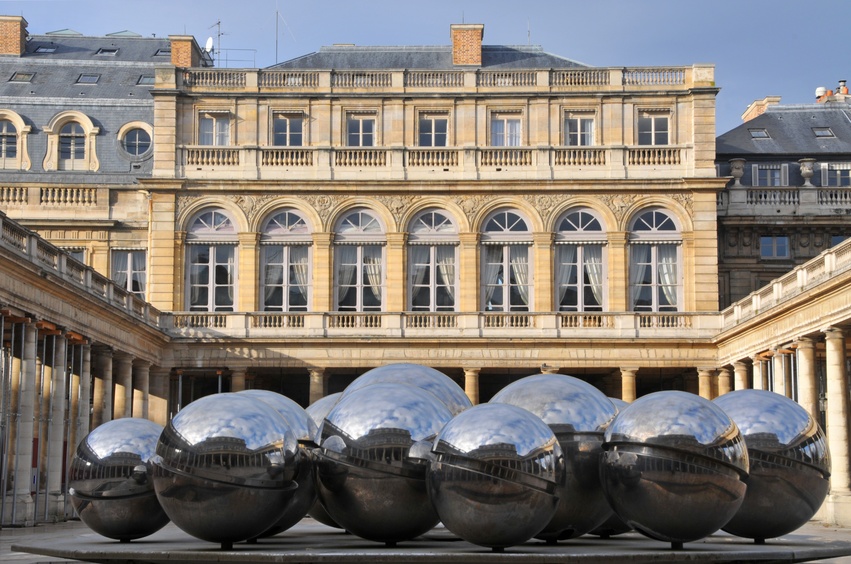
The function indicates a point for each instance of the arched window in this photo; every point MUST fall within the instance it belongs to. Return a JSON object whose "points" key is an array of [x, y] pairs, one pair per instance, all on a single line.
{"points": [[432, 259], [580, 277], [655, 276], [285, 258], [359, 262], [8, 144], [72, 147], [211, 262], [506, 273]]}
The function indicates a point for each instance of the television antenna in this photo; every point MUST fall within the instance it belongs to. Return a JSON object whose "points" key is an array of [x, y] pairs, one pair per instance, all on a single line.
{"points": [[209, 46]]}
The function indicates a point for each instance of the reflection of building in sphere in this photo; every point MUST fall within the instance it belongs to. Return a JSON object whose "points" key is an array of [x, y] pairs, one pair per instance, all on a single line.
{"points": [[789, 463], [494, 476], [110, 483], [674, 466]]}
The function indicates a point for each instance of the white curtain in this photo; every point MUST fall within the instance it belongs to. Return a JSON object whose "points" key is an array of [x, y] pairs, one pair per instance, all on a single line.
{"points": [[668, 272], [498, 133], [520, 269], [512, 138], [231, 266], [446, 268], [299, 268], [419, 257], [594, 270], [372, 267], [138, 266], [274, 275], [493, 263], [638, 263], [564, 269], [346, 259], [197, 254], [119, 268]]}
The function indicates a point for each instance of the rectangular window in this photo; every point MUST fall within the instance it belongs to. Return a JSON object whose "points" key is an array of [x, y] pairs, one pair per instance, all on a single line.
{"points": [[360, 130], [836, 174], [88, 78], [432, 277], [145, 80], [287, 130], [770, 175], [578, 131], [22, 77], [285, 277], [214, 129], [433, 129], [579, 277], [653, 129], [505, 129], [128, 271], [774, 247]]}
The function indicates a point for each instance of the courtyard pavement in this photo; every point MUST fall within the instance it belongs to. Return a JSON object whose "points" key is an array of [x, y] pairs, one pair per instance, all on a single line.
{"points": [[310, 541]]}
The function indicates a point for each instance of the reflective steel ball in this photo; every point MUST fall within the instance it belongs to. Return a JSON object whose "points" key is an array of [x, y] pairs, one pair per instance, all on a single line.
{"points": [[372, 461], [495, 475], [614, 525], [110, 481], [675, 466], [427, 378], [789, 463], [578, 414], [317, 411], [225, 467], [304, 429]]}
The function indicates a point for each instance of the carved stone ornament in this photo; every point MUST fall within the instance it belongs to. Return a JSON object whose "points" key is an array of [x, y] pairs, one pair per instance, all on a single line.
{"points": [[471, 204], [398, 204], [323, 204], [737, 170], [618, 203], [546, 203], [686, 201], [807, 170]]}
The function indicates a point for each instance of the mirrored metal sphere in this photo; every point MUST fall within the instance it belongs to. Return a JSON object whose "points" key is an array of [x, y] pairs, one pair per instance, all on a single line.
{"points": [[304, 429], [225, 467], [495, 474], [674, 466], [614, 525], [789, 463], [442, 386], [317, 411], [110, 480], [370, 466], [578, 414]]}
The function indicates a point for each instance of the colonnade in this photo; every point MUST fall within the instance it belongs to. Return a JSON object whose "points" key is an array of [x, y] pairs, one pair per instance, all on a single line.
{"points": [[55, 386]]}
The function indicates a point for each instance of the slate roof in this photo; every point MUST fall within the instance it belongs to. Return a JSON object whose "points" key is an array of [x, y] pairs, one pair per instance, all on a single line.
{"points": [[494, 57], [790, 131], [56, 74]]}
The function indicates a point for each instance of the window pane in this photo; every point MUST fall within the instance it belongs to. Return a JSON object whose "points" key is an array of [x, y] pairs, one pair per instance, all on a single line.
{"points": [[205, 131], [645, 131]]}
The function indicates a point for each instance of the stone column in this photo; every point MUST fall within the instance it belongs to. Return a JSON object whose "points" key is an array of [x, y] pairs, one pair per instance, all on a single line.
{"points": [[691, 382], [628, 384], [471, 384], [237, 380], [318, 384], [141, 388], [83, 407], [704, 382], [75, 365], [542, 261], [323, 272], [395, 279], [740, 372], [724, 381], [807, 386], [102, 407], [158, 395], [778, 373], [23, 507], [468, 275], [56, 429], [123, 374], [249, 259], [837, 411]]}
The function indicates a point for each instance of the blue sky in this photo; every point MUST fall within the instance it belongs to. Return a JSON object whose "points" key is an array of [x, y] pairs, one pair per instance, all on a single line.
{"points": [[759, 47]]}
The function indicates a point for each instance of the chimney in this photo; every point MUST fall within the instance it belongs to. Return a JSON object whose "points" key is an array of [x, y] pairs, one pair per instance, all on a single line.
{"points": [[185, 52], [13, 35], [757, 107], [467, 43]]}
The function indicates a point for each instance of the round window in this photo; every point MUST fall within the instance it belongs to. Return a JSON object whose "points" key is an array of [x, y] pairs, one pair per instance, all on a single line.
{"points": [[136, 142]]}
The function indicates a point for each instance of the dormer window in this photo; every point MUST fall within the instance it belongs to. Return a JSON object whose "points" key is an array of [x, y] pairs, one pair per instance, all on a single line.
{"points": [[759, 134], [88, 78]]}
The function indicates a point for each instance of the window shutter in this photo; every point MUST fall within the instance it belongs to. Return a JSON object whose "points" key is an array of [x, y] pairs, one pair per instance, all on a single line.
{"points": [[823, 174], [754, 175], [784, 174]]}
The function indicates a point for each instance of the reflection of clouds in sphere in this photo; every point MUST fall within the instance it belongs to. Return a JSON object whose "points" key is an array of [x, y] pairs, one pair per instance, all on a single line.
{"points": [[764, 412], [495, 425], [671, 414], [559, 399], [127, 435], [439, 384], [389, 406], [299, 421], [230, 416], [321, 407]]}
